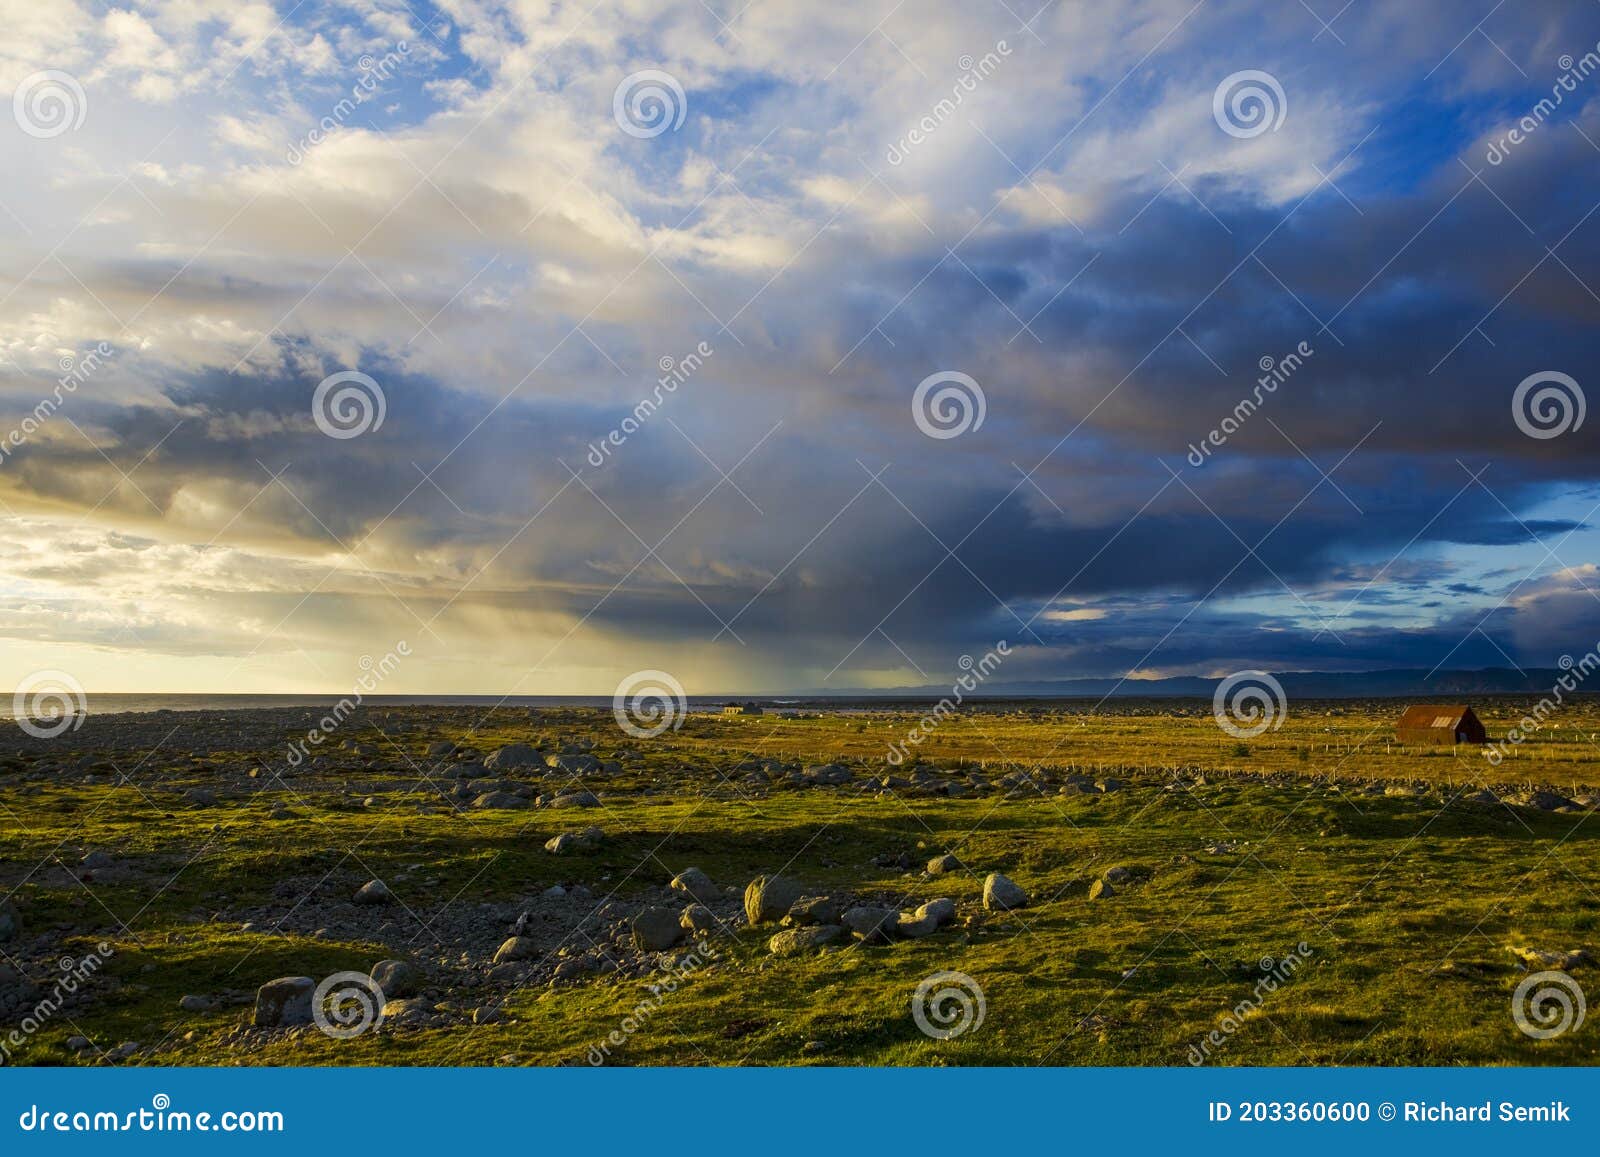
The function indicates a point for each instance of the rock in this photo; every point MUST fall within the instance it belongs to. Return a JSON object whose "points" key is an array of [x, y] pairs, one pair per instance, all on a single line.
{"points": [[1000, 894], [916, 926], [396, 978], [513, 756], [948, 862], [200, 797], [1118, 875], [516, 948], [1108, 785], [409, 1012], [793, 941], [816, 910], [697, 918], [769, 898], [656, 929], [1100, 890], [1536, 959], [575, 799], [77, 1043], [826, 774], [585, 841], [572, 969], [284, 1002], [1545, 801], [942, 910], [195, 1004], [441, 748], [872, 924], [812, 1047], [373, 892], [696, 884], [95, 861], [499, 801], [10, 922]]}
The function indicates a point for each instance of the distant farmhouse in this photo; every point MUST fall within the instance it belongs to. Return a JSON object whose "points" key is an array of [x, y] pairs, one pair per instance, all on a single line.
{"points": [[1442, 724], [741, 709]]}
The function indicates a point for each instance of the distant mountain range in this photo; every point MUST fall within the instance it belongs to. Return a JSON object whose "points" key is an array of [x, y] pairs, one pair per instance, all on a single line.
{"points": [[1296, 685]]}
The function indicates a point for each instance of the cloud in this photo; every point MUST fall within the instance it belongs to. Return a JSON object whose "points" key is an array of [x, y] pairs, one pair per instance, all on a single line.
{"points": [[1078, 234]]}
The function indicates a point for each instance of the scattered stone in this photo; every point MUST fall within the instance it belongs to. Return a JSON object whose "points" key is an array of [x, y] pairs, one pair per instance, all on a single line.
{"points": [[284, 1002], [195, 1004], [1001, 894], [77, 1043], [373, 892], [1118, 875], [10, 922], [440, 748], [656, 929], [768, 898], [793, 941], [948, 862], [96, 861], [396, 978], [1100, 890], [200, 797]]}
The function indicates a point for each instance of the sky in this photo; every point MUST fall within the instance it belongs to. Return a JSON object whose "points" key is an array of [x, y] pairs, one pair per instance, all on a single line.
{"points": [[786, 346]]}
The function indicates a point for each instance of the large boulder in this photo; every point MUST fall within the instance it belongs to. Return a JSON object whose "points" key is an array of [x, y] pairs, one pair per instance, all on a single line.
{"points": [[499, 801], [373, 892], [396, 979], [284, 1002], [768, 898], [871, 923], [513, 756], [575, 799], [516, 948], [656, 929], [585, 841], [927, 919], [1000, 894], [697, 918], [816, 910], [696, 885], [793, 941]]}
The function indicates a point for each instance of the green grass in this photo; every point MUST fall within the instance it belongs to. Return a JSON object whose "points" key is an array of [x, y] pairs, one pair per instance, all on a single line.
{"points": [[1384, 891]]}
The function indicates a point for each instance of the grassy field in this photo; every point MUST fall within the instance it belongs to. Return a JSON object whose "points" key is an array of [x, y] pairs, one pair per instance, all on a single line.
{"points": [[1399, 896]]}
